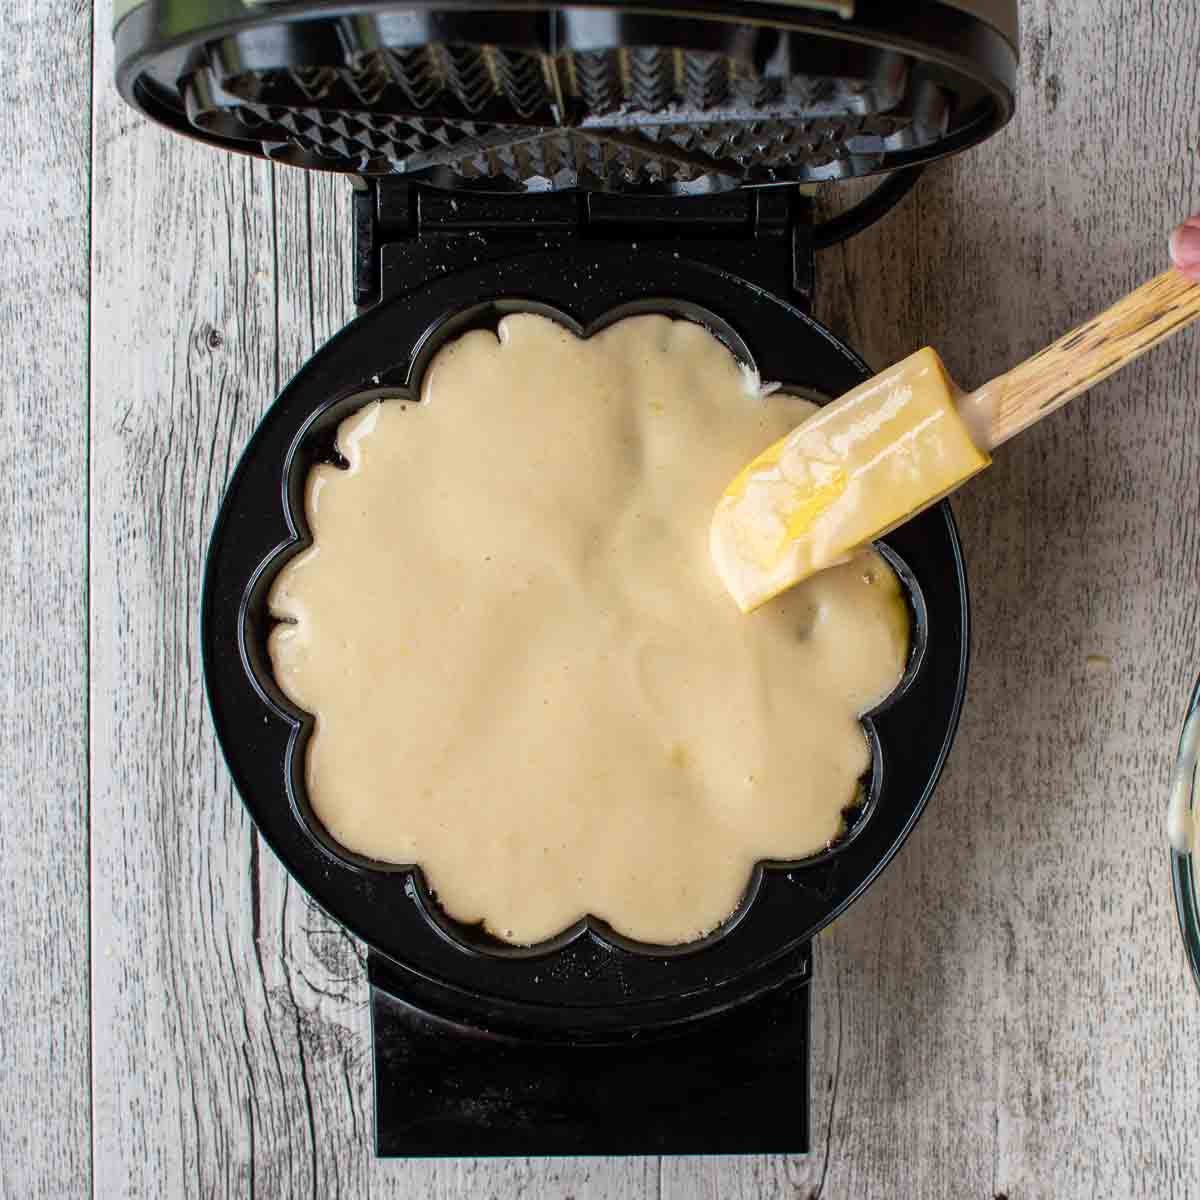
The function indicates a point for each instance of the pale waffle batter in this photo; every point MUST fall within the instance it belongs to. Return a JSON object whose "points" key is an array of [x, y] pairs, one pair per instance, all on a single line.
{"points": [[527, 677]]}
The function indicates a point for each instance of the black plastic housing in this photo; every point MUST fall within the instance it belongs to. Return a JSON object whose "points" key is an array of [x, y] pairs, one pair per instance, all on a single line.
{"points": [[587, 984]]}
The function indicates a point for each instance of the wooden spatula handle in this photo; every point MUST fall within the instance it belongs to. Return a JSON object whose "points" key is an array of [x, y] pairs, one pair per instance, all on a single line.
{"points": [[1087, 355]]}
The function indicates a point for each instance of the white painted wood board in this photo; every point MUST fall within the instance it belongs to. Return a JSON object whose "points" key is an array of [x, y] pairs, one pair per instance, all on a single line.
{"points": [[1006, 1012], [45, 129]]}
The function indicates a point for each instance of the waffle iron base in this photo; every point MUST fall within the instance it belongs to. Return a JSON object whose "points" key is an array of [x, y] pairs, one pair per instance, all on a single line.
{"points": [[617, 1020]]}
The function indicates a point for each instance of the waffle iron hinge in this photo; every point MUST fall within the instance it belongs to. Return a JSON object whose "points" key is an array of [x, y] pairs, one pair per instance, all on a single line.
{"points": [[407, 234]]}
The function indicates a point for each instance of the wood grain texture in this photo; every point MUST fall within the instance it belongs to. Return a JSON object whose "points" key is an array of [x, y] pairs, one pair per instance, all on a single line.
{"points": [[1007, 1012], [1087, 355], [1011, 1000], [45, 127], [231, 1051]]}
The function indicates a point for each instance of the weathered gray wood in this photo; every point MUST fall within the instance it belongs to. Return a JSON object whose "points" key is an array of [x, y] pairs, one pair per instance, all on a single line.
{"points": [[1010, 1001], [1007, 1011], [231, 1027], [45, 128]]}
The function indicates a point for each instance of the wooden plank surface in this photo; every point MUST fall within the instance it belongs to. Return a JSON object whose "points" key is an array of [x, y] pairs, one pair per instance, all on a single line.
{"points": [[231, 1050], [45, 127], [1006, 1012], [1013, 1008]]}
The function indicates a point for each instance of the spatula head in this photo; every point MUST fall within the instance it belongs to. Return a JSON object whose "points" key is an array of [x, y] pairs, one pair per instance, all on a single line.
{"points": [[853, 471]]}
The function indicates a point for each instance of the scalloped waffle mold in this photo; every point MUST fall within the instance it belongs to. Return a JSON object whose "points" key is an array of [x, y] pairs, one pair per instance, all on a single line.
{"points": [[587, 980]]}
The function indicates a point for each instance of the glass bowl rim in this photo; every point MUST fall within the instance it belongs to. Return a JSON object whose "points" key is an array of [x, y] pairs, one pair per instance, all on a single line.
{"points": [[1184, 874]]}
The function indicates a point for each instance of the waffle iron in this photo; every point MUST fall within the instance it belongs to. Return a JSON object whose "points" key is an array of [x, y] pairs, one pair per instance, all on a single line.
{"points": [[587, 163]]}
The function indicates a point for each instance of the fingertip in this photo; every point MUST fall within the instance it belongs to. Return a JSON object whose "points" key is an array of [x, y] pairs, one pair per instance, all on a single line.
{"points": [[1184, 245]]}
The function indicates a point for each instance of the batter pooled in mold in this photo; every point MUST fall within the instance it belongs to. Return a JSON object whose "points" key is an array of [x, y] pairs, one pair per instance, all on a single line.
{"points": [[527, 677]]}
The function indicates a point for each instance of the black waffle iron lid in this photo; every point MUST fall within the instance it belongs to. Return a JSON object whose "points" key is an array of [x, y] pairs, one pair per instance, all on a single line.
{"points": [[678, 96]]}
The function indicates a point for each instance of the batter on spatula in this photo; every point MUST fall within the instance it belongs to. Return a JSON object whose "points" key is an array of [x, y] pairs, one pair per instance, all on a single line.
{"points": [[526, 676]]}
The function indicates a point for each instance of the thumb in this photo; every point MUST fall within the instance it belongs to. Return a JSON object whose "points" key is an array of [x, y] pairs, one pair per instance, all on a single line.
{"points": [[1185, 247]]}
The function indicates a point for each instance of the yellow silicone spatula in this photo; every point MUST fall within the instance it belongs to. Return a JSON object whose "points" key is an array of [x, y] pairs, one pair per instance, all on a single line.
{"points": [[898, 443]]}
